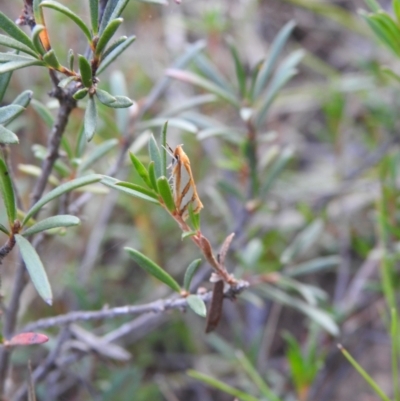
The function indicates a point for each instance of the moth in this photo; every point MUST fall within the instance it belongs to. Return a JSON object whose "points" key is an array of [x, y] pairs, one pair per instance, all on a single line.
{"points": [[183, 185]]}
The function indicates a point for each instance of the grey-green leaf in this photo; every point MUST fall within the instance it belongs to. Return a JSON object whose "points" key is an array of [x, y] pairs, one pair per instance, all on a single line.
{"points": [[97, 153], [121, 102], [90, 119], [62, 189], [112, 55], [55, 5], [51, 60], [16, 65], [105, 97], [17, 45], [24, 98], [35, 268], [113, 10], [94, 15], [155, 156], [151, 267], [107, 34], [8, 113], [7, 136], [4, 81], [130, 189], [164, 189], [7, 192], [302, 241], [65, 220], [197, 305], [15, 31], [190, 272]]}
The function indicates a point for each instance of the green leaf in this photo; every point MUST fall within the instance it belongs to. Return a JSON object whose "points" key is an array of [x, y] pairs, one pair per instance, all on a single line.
{"points": [[131, 189], [24, 98], [7, 192], [37, 11], [364, 374], [197, 305], [107, 34], [10, 27], [172, 122], [283, 74], [373, 5], [85, 70], [274, 171], [51, 60], [71, 59], [7, 136], [65, 220], [90, 119], [396, 9], [139, 191], [155, 156], [97, 153], [197, 80], [211, 381], [113, 10], [121, 102], [152, 268], [65, 82], [164, 189], [194, 217], [62, 189], [43, 112], [152, 176], [4, 230], [8, 113], [55, 5], [16, 65], [113, 46], [190, 272], [40, 153], [80, 94], [141, 170], [35, 268], [105, 97], [108, 58], [240, 70], [4, 81], [17, 45], [164, 149], [10, 56], [94, 15], [187, 234], [302, 241], [36, 31], [269, 64]]}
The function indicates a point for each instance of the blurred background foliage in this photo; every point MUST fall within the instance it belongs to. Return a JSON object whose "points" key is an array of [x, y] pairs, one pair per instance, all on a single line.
{"points": [[312, 198]]}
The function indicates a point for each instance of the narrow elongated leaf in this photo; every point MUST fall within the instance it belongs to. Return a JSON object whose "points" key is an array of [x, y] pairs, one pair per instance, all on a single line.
{"points": [[268, 65], [112, 55], [113, 10], [24, 98], [139, 191], [85, 70], [55, 5], [4, 229], [190, 272], [197, 305], [90, 119], [4, 81], [7, 136], [107, 34], [302, 241], [16, 65], [151, 267], [141, 169], [189, 104], [62, 189], [105, 97], [239, 68], [152, 176], [396, 9], [94, 15], [197, 80], [81, 94], [164, 189], [8, 113], [213, 382], [131, 189], [172, 122], [113, 46], [37, 33], [10, 27], [313, 266], [97, 153], [164, 149], [121, 102], [17, 45], [119, 85], [7, 192], [155, 156], [43, 112], [65, 220], [35, 268]]}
